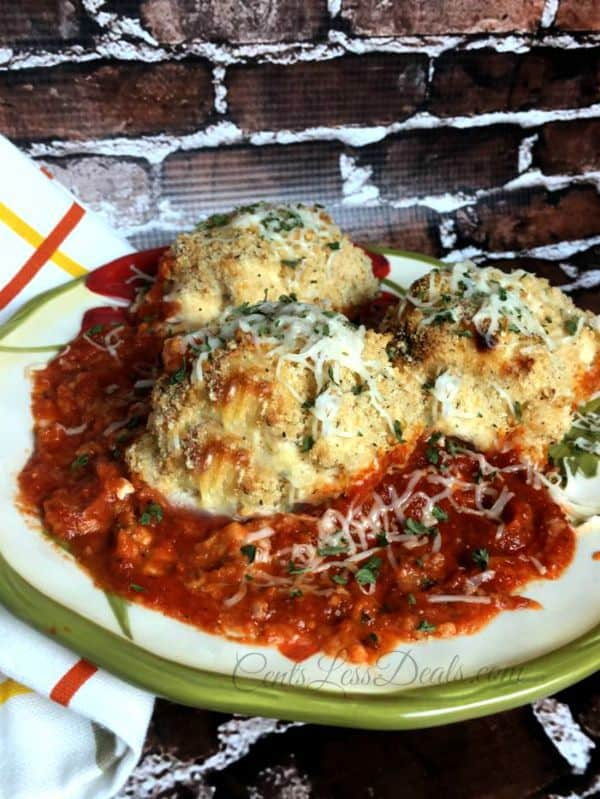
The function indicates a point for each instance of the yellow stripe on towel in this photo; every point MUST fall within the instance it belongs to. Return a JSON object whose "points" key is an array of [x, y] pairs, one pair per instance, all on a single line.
{"points": [[31, 236], [10, 688]]}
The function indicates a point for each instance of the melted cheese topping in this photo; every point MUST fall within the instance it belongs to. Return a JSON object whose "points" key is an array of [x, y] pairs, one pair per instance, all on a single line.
{"points": [[494, 302], [323, 342], [277, 221], [446, 391], [291, 228]]}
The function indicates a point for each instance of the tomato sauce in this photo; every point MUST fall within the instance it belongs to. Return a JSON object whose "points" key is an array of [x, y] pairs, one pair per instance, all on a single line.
{"points": [[491, 530]]}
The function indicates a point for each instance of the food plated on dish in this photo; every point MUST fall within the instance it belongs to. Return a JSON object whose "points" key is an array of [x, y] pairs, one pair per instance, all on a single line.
{"points": [[263, 447]]}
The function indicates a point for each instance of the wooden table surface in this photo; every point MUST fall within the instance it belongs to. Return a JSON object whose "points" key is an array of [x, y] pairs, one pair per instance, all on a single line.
{"points": [[550, 749]]}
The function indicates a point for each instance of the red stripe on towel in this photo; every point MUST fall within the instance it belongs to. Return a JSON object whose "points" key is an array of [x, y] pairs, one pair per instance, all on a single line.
{"points": [[68, 685]]}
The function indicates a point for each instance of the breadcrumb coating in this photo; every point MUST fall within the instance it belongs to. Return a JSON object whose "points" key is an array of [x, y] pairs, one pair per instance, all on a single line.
{"points": [[260, 252]]}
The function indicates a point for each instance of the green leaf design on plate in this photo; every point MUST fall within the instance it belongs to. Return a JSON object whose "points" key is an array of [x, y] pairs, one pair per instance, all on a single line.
{"points": [[33, 304], [48, 348], [391, 284], [413, 256], [120, 607], [58, 542]]}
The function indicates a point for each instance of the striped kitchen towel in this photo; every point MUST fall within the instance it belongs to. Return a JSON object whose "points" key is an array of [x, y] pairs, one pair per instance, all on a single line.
{"points": [[46, 235], [67, 729]]}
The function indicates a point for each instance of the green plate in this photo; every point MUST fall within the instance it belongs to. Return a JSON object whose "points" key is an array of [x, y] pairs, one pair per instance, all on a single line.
{"points": [[519, 657]]}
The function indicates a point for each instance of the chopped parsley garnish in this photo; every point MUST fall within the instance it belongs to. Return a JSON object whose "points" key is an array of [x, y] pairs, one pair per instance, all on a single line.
{"points": [[178, 376], [369, 572], [249, 552], [411, 599], [295, 593], [440, 318], [571, 325], [464, 333], [291, 262], [425, 627], [198, 349], [340, 579], [502, 294], [216, 220], [420, 562], [152, 513], [431, 452], [481, 558], [359, 388], [307, 444], [451, 447], [518, 410], [413, 527], [94, 330], [293, 569], [245, 309], [381, 540], [137, 588], [248, 209], [81, 461], [331, 550], [398, 430], [392, 351], [439, 513], [513, 328], [282, 220], [333, 245], [288, 298]]}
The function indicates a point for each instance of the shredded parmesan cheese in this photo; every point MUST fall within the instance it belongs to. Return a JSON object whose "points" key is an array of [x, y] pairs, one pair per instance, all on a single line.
{"points": [[469, 599], [72, 431]]}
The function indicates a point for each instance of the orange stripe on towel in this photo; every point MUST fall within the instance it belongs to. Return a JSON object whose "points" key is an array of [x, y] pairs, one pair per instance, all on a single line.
{"points": [[44, 252], [68, 685]]}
